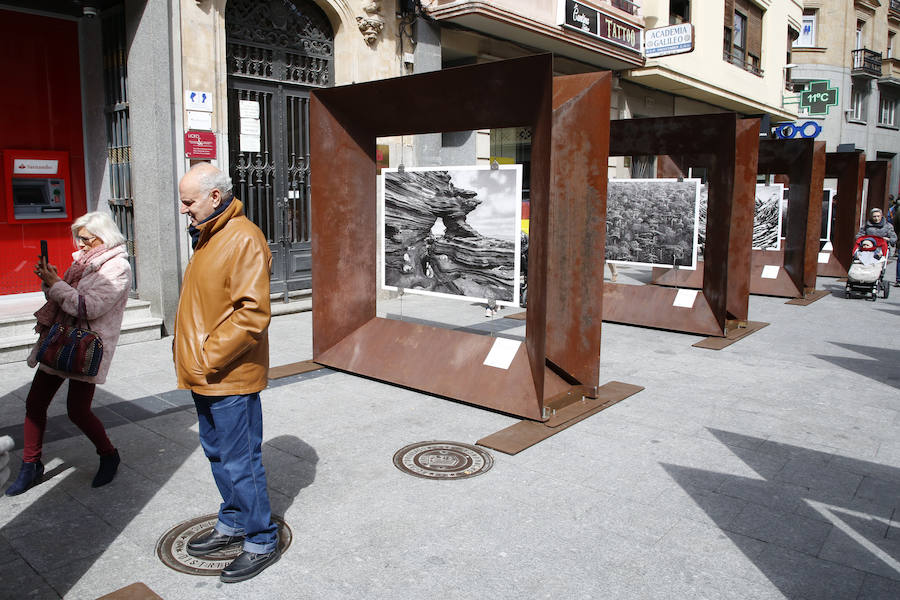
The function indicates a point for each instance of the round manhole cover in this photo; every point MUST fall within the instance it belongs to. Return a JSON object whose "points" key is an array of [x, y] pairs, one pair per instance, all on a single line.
{"points": [[442, 460], [172, 546]]}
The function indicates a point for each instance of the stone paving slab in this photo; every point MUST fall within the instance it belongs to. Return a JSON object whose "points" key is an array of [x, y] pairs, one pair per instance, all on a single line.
{"points": [[769, 469]]}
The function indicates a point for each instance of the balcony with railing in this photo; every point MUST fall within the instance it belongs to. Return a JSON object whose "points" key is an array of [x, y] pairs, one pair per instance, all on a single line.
{"points": [[894, 8], [866, 63], [630, 7]]}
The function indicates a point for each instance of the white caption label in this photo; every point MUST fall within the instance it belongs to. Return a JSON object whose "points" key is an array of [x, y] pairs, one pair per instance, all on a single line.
{"points": [[502, 353]]}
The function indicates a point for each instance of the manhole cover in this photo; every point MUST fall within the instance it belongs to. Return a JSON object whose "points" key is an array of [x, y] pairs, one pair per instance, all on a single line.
{"points": [[442, 460], [172, 546]]}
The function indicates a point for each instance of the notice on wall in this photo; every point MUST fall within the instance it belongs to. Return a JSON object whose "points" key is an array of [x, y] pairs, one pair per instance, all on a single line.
{"points": [[199, 120], [770, 272], [199, 144], [198, 100], [502, 353], [248, 109], [249, 143], [685, 298]]}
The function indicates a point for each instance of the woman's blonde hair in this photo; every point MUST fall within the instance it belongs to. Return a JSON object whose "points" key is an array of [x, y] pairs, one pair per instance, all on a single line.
{"points": [[101, 225]]}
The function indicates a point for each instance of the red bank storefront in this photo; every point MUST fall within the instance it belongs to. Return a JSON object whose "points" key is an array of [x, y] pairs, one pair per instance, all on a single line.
{"points": [[42, 188]]}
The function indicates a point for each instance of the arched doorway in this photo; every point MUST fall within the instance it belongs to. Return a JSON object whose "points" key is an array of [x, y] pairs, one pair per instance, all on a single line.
{"points": [[277, 51]]}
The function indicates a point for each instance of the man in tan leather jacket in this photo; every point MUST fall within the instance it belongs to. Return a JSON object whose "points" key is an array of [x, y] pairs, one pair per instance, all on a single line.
{"points": [[221, 352]]}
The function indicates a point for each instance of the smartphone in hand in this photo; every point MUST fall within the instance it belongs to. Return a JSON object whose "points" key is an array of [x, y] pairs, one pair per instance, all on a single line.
{"points": [[44, 258]]}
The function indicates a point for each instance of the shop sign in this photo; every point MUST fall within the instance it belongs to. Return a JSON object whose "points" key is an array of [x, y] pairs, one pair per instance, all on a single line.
{"points": [[674, 39], [807, 129], [198, 100], [199, 144], [595, 23], [34, 166], [818, 98]]}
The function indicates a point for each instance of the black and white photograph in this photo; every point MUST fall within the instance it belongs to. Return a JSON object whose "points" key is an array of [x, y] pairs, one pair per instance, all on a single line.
{"points": [[652, 222], [827, 214], [453, 231], [767, 216]]}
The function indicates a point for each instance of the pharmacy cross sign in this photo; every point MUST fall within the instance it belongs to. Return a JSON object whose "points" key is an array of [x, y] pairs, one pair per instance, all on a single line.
{"points": [[818, 97]]}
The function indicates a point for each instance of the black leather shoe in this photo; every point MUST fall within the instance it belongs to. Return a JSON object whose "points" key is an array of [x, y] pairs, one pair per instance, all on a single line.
{"points": [[248, 565], [29, 476], [211, 542]]}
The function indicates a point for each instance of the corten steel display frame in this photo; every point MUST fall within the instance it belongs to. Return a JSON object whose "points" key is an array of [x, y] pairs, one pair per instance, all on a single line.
{"points": [[878, 172], [849, 168], [803, 162], [562, 334], [726, 145]]}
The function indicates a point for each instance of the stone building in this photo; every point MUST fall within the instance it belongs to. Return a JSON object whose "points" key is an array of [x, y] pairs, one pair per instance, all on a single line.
{"points": [[852, 45], [131, 92]]}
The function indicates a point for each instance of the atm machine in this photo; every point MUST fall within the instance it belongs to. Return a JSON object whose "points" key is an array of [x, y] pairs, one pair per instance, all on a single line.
{"points": [[36, 185]]}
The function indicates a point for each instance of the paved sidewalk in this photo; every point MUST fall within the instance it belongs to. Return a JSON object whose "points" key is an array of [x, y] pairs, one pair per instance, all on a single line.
{"points": [[770, 469]]}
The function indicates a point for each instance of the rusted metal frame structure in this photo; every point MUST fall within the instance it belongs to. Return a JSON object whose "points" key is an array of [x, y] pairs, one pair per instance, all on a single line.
{"points": [[849, 168], [803, 163], [878, 172], [726, 146], [562, 342]]}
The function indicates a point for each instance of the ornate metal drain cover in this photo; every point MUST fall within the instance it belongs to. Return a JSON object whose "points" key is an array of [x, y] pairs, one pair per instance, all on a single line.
{"points": [[442, 460], [172, 546]]}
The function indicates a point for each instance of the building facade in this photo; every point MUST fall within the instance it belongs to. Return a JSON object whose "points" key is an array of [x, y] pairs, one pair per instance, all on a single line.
{"points": [[852, 45]]}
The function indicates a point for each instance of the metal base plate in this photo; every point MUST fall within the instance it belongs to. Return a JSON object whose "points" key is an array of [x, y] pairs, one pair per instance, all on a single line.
{"points": [[732, 335], [442, 460], [172, 546], [809, 297]]}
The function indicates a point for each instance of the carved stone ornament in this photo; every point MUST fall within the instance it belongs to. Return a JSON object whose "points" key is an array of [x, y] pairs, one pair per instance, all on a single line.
{"points": [[371, 25]]}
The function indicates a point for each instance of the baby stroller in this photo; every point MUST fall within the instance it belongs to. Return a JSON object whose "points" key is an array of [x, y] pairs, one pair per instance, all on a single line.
{"points": [[865, 278]]}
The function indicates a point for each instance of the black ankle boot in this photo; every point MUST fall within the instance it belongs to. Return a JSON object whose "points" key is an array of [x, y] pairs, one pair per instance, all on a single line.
{"points": [[109, 463], [29, 476]]}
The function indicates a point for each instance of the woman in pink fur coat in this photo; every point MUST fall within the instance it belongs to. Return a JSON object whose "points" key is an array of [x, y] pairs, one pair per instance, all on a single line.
{"points": [[100, 277]]}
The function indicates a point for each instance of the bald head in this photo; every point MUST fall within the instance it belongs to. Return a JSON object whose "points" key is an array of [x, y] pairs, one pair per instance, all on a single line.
{"points": [[202, 190]]}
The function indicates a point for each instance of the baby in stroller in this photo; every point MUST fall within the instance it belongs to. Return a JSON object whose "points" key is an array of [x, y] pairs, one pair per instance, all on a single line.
{"points": [[866, 275]]}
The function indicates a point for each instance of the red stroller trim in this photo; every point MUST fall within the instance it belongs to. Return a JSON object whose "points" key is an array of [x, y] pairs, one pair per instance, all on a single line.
{"points": [[879, 242]]}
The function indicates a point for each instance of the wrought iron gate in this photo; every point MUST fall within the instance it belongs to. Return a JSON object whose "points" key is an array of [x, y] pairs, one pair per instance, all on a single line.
{"points": [[277, 51]]}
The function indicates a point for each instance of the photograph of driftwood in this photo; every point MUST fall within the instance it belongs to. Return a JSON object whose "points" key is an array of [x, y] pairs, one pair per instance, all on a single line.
{"points": [[767, 216], [453, 231], [652, 222]]}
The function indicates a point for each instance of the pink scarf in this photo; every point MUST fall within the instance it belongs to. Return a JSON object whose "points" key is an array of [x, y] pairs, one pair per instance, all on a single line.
{"points": [[52, 312]]}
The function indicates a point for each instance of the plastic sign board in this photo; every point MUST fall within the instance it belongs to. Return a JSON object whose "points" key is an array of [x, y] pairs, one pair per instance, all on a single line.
{"points": [[199, 144], [664, 41], [197, 100], [819, 97], [595, 23]]}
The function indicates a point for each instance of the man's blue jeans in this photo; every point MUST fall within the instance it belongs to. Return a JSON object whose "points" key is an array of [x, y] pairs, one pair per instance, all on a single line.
{"points": [[231, 436]]}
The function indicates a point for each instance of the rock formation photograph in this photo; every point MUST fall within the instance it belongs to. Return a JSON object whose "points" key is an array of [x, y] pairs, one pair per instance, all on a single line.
{"points": [[453, 231]]}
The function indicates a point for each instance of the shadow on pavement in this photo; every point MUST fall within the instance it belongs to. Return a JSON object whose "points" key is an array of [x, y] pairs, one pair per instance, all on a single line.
{"points": [[67, 526], [825, 520], [882, 364]]}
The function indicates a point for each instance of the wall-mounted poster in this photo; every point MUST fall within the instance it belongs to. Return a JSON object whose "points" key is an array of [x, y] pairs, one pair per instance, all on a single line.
{"points": [[652, 222], [767, 216], [453, 231]]}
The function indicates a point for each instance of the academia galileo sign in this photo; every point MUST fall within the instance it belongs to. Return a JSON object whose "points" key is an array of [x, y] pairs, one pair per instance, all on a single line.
{"points": [[674, 39], [595, 23]]}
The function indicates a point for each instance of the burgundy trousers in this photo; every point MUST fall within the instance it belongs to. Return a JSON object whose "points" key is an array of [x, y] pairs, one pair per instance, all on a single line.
{"points": [[78, 403]]}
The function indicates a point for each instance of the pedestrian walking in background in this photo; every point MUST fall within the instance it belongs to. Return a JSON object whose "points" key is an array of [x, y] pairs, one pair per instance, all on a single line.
{"points": [[877, 225], [221, 353], [98, 280], [895, 221]]}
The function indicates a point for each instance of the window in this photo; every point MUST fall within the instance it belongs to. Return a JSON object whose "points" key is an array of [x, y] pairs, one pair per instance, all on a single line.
{"points": [[889, 53], [858, 96], [679, 11], [860, 26], [887, 111], [739, 44], [807, 37], [743, 36]]}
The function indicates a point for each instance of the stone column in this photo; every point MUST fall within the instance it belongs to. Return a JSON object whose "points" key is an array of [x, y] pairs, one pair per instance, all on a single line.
{"points": [[153, 162]]}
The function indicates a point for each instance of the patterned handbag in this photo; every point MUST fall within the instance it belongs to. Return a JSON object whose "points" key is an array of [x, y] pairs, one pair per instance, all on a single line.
{"points": [[72, 349]]}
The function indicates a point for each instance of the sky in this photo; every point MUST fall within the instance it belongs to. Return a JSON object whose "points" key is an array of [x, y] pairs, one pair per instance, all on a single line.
{"points": [[496, 215]]}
